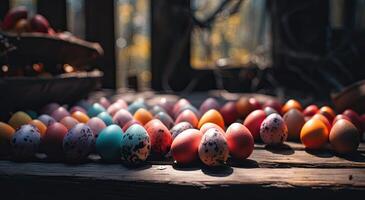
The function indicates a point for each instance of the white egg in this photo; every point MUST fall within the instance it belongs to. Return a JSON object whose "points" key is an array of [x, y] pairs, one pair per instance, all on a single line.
{"points": [[273, 130], [25, 142], [213, 148], [78, 142]]}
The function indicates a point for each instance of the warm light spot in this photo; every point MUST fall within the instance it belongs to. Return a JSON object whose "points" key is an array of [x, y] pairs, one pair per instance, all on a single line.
{"points": [[68, 68], [5, 68], [38, 67]]}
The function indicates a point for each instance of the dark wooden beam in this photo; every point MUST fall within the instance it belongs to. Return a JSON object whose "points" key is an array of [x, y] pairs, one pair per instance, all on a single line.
{"points": [[55, 12], [99, 27], [4, 7]]}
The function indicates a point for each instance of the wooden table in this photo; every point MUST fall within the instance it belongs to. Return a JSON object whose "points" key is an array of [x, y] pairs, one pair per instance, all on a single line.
{"points": [[289, 172]]}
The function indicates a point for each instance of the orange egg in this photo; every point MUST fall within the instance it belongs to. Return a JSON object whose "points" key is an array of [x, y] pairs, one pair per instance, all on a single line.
{"points": [[187, 116], [324, 120], [290, 104], [209, 125], [41, 127], [328, 112], [80, 116], [212, 116], [314, 134], [6, 131], [69, 122], [310, 110], [244, 107], [143, 116], [18, 119]]}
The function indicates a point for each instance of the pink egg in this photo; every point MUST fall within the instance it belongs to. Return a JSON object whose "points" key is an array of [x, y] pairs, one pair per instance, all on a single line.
{"points": [[60, 113], [122, 117], [179, 104], [187, 116], [78, 108], [104, 102], [167, 105], [121, 103], [114, 108], [69, 122], [96, 125]]}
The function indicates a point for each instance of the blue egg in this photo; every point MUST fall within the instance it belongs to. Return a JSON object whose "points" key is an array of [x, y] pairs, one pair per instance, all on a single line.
{"points": [[95, 109], [108, 120], [135, 106], [25, 142], [136, 145], [32, 114], [108, 143], [46, 119], [84, 104]]}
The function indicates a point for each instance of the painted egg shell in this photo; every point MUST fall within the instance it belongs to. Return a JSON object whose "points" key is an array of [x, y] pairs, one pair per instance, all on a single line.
{"points": [[25, 141], [253, 122], [104, 102], [354, 117], [80, 116], [121, 103], [184, 148], [210, 103], [130, 123], [256, 104], [310, 110], [32, 114], [41, 127], [274, 104], [344, 137], [78, 108], [108, 143], [18, 119], [122, 117], [69, 122], [84, 104], [135, 106], [167, 105], [157, 109], [78, 142], [60, 113], [179, 128], [53, 139], [294, 120], [152, 122], [136, 145], [160, 138], [6, 132], [273, 130], [229, 112], [96, 125], [187, 107], [49, 108], [324, 120], [187, 116], [269, 111], [290, 104], [179, 104], [209, 125], [314, 134], [246, 105], [213, 148], [95, 109], [240, 141], [212, 116], [165, 119], [328, 112], [143, 116], [46, 119], [340, 116], [108, 120], [362, 120], [114, 108]]}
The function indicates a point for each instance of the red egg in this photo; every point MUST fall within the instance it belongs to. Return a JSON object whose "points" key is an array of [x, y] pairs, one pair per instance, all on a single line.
{"points": [[256, 104], [340, 116], [38, 23], [122, 117], [184, 148], [179, 104], [60, 113], [310, 110], [154, 122], [53, 139], [229, 112], [275, 104], [167, 105], [160, 138], [187, 116], [210, 125], [130, 123], [208, 104], [354, 117], [240, 141], [96, 125], [328, 112], [69, 122], [253, 122]]}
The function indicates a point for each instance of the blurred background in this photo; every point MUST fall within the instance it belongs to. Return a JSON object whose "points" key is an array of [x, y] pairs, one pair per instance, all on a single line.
{"points": [[284, 48]]}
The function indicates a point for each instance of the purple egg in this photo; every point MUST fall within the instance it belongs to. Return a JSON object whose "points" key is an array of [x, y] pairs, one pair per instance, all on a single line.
{"points": [[97, 125], [208, 104], [122, 117], [165, 119], [49, 108], [60, 113], [78, 143]]}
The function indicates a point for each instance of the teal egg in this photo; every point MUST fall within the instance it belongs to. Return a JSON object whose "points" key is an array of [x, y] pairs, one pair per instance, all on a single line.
{"points": [[135, 106], [108, 120], [32, 114], [95, 109], [108, 143], [136, 145]]}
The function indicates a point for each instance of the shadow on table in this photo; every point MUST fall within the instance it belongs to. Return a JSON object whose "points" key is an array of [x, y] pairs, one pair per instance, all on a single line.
{"points": [[282, 149], [221, 171], [354, 157], [322, 153], [246, 163]]}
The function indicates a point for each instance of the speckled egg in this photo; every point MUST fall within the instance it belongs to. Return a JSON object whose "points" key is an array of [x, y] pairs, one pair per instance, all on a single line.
{"points": [[188, 116], [160, 138], [179, 128], [273, 130], [78, 142], [108, 143], [213, 148], [18, 119], [108, 120], [165, 119], [60, 113], [122, 117], [46, 119], [95, 109], [136, 145], [25, 142], [41, 127], [96, 125]]}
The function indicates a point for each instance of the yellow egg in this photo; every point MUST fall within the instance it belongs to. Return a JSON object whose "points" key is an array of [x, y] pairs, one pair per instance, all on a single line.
{"points": [[6, 132], [212, 116], [143, 116], [18, 119]]}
